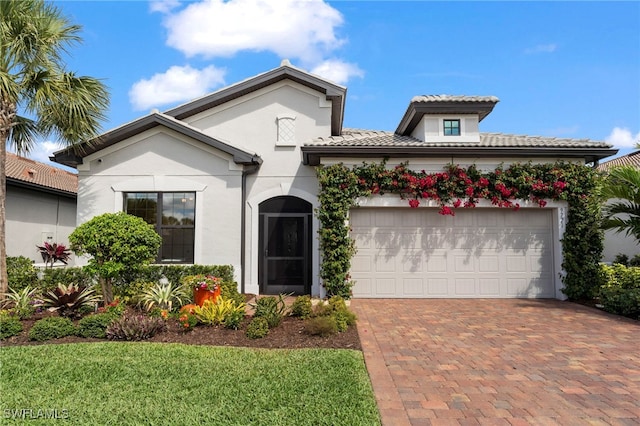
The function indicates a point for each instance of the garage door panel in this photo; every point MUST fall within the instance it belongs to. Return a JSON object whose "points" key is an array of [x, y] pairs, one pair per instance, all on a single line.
{"points": [[477, 253]]}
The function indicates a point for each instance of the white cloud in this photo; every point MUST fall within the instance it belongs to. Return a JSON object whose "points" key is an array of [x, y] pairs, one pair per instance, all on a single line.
{"points": [[163, 6], [542, 48], [623, 138], [305, 30], [176, 84], [337, 71]]}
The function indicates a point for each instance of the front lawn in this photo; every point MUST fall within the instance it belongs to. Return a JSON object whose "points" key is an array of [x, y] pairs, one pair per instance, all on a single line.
{"points": [[165, 384]]}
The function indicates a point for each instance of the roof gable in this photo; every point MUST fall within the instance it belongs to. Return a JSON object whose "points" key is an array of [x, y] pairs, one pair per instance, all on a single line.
{"points": [[72, 158], [333, 92]]}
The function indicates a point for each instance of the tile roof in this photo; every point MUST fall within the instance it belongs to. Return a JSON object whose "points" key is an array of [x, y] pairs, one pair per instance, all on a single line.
{"points": [[40, 174], [373, 138], [632, 159], [454, 98]]}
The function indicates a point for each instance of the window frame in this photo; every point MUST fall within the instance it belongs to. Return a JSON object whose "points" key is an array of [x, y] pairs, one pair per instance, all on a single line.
{"points": [[159, 226], [446, 121]]}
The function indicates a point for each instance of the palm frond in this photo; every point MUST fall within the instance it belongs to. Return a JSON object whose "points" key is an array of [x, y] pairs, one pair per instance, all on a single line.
{"points": [[23, 134]]}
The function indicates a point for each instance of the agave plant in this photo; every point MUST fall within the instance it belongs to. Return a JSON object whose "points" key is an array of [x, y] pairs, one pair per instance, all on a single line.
{"points": [[52, 253], [68, 300], [163, 295]]}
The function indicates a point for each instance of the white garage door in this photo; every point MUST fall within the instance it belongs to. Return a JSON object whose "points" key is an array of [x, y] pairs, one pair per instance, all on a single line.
{"points": [[418, 253]]}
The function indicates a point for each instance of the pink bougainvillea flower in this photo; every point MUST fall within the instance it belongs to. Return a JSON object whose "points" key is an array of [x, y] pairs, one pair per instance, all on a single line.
{"points": [[446, 210], [457, 203], [414, 203]]}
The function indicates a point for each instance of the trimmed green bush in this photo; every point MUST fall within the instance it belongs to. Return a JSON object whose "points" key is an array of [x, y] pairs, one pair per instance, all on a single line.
{"points": [[95, 325], [9, 326], [272, 309], [21, 273], [65, 276], [620, 290], [258, 328], [302, 307], [321, 326], [51, 328]]}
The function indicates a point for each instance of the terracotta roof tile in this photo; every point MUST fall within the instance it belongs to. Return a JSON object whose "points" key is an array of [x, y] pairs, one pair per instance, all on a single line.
{"points": [[40, 174], [632, 159]]}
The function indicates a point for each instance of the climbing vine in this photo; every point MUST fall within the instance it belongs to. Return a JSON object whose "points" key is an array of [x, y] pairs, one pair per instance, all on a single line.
{"points": [[458, 187]]}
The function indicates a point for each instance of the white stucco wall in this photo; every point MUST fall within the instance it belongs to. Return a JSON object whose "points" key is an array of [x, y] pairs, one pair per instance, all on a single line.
{"points": [[33, 217], [618, 243], [431, 128], [160, 160]]}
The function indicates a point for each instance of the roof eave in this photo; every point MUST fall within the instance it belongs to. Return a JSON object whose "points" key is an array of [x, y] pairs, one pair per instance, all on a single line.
{"points": [[312, 155], [36, 187]]}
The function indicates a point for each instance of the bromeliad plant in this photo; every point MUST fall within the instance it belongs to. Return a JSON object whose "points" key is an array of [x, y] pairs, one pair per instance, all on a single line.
{"points": [[458, 187], [70, 300], [52, 253], [23, 302]]}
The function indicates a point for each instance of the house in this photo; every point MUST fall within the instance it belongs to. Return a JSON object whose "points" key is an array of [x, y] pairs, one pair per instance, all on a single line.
{"points": [[40, 206], [617, 242], [230, 178]]}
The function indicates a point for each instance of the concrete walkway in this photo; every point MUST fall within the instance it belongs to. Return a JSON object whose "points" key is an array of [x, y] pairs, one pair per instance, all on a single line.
{"points": [[500, 362]]}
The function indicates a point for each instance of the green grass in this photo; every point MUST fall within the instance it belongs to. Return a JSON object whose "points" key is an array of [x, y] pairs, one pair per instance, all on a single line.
{"points": [[160, 384]]}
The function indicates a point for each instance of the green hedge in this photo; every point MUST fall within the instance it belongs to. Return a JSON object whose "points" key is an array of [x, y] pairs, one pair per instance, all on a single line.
{"points": [[21, 273], [620, 290]]}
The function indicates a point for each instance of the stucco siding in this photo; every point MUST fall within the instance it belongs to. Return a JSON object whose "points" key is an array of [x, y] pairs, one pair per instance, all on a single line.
{"points": [[33, 216], [161, 161]]}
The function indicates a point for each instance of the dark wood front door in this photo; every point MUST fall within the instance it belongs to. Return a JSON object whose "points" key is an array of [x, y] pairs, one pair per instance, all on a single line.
{"points": [[286, 247]]}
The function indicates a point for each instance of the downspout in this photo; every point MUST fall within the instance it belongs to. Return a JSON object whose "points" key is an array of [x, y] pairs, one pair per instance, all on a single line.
{"points": [[243, 214]]}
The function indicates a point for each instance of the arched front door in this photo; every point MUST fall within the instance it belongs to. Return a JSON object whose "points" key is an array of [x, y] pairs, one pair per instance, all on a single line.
{"points": [[285, 246]]}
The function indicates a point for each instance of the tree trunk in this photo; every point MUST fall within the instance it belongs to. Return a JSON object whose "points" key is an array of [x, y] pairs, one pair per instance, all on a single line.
{"points": [[107, 290], [4, 280], [7, 117]]}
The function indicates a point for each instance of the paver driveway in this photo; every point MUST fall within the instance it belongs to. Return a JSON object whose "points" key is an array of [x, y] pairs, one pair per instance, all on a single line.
{"points": [[498, 362]]}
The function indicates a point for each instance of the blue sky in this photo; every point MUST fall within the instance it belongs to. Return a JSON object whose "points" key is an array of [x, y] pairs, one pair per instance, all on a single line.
{"points": [[560, 69]]}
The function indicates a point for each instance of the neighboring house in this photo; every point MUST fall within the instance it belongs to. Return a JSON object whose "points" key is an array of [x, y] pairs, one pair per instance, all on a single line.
{"points": [[40, 206], [619, 243], [230, 179]]}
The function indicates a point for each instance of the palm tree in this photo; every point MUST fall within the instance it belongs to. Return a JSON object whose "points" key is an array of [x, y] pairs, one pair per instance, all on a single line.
{"points": [[622, 214], [34, 36]]}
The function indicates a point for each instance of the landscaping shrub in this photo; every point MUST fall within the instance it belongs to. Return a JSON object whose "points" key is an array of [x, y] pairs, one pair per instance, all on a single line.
{"points": [[301, 307], [321, 326], [635, 260], [116, 242], [69, 275], [164, 295], [23, 302], [9, 326], [621, 259], [271, 309], [258, 328], [51, 328], [21, 273], [335, 308], [135, 327], [96, 325], [620, 290], [216, 313], [71, 301]]}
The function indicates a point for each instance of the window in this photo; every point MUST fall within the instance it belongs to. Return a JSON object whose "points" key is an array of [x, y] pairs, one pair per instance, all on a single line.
{"points": [[173, 216], [452, 127]]}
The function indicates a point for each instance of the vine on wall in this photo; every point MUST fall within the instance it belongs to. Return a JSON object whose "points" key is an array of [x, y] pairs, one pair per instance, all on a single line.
{"points": [[458, 187]]}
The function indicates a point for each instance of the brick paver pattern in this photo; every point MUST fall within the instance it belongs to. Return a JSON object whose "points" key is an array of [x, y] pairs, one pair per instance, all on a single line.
{"points": [[500, 362]]}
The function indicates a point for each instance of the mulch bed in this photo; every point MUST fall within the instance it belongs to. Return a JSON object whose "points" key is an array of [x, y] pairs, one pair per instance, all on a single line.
{"points": [[288, 335]]}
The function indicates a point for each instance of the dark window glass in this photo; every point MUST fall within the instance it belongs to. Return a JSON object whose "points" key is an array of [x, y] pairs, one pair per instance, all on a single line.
{"points": [[452, 127], [173, 216]]}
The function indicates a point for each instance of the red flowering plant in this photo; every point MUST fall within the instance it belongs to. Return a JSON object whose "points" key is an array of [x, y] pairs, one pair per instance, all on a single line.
{"points": [[458, 187]]}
